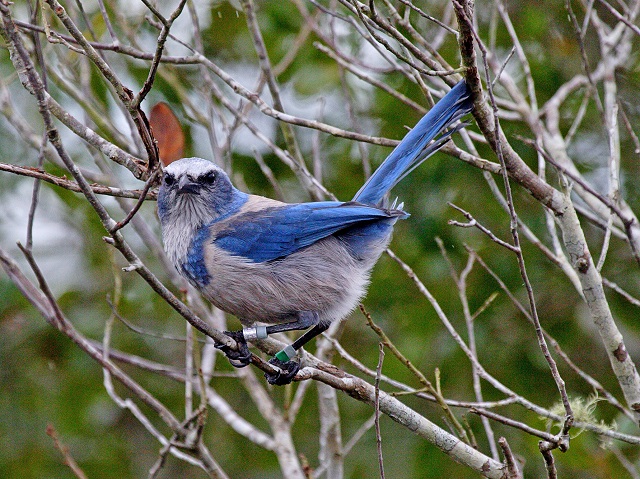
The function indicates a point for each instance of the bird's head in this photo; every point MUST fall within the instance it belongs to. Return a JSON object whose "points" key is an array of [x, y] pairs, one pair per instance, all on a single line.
{"points": [[195, 192]]}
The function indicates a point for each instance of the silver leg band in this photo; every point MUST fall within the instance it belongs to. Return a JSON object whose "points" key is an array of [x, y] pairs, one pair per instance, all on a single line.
{"points": [[258, 332]]}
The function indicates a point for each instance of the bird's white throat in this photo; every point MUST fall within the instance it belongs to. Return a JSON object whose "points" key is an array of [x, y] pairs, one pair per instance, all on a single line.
{"points": [[187, 216]]}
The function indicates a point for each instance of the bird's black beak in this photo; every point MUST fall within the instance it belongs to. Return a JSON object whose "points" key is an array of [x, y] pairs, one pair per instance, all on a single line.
{"points": [[185, 185]]}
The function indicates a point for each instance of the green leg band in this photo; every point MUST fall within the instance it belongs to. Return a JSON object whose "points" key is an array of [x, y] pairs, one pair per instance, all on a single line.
{"points": [[286, 354]]}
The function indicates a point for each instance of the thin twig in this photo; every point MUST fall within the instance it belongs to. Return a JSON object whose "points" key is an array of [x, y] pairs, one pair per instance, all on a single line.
{"points": [[162, 38], [545, 449], [377, 408], [620, 291], [513, 471], [64, 450], [474, 223], [550, 438], [136, 207]]}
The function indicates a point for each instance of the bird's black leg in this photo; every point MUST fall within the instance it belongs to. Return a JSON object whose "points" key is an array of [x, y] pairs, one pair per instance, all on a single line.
{"points": [[238, 358], [305, 319], [283, 358]]}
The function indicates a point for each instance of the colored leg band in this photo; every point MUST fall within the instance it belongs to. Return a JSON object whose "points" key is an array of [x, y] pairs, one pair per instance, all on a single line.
{"points": [[286, 354], [258, 332]]}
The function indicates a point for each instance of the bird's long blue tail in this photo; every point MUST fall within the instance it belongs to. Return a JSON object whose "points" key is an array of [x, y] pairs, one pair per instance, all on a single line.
{"points": [[417, 145]]}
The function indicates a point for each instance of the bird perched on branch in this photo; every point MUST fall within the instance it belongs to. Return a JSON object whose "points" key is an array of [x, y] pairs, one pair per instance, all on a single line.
{"points": [[278, 266]]}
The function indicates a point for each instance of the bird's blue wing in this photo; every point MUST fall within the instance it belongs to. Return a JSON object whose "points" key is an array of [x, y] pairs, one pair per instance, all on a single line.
{"points": [[276, 232]]}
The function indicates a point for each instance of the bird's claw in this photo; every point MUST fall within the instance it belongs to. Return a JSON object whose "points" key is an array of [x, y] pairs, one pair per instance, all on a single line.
{"points": [[288, 370], [238, 358]]}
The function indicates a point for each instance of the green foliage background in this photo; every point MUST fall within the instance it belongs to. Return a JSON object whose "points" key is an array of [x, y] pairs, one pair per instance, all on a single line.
{"points": [[46, 380]]}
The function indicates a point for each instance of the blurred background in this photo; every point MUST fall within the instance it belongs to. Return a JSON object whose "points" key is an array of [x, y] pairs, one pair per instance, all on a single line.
{"points": [[48, 382]]}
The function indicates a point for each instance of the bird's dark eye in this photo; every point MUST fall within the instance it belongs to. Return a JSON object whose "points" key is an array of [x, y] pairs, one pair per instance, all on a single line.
{"points": [[208, 178], [169, 179]]}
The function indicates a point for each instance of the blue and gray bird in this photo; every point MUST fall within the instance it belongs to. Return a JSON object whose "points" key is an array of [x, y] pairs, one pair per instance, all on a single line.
{"points": [[279, 266]]}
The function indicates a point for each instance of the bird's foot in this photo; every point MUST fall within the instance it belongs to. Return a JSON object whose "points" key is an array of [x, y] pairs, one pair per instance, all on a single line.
{"points": [[288, 370], [238, 358]]}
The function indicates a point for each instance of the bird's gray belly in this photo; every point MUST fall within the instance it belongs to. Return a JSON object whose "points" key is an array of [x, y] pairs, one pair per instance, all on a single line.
{"points": [[323, 277]]}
